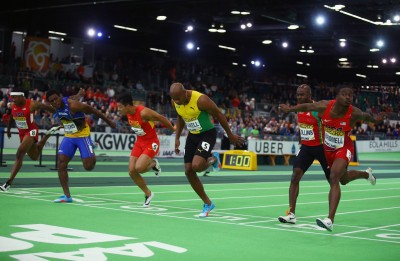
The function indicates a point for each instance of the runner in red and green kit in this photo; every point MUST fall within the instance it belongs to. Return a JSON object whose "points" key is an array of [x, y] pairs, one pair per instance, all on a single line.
{"points": [[311, 149], [338, 117]]}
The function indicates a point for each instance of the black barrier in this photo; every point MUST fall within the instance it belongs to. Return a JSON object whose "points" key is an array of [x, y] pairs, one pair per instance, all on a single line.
{"points": [[1, 147], [41, 154], [57, 144], [2, 132]]}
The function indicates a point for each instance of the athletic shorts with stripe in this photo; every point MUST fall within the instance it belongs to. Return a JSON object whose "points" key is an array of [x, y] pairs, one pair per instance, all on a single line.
{"points": [[148, 147], [200, 144], [345, 153], [306, 156], [69, 146]]}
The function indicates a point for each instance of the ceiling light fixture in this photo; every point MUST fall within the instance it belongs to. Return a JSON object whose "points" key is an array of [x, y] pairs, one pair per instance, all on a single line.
{"points": [[359, 17], [227, 47], [58, 33], [161, 18], [221, 29], [293, 27], [158, 50], [267, 42], [212, 29], [125, 28]]}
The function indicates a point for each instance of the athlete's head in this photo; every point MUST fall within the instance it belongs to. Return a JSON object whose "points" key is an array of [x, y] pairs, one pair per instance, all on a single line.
{"points": [[18, 96], [53, 96], [303, 94], [125, 103], [178, 93], [345, 96]]}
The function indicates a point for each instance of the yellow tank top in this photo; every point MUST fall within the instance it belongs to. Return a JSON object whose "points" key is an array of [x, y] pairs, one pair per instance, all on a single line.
{"points": [[197, 121], [70, 132]]}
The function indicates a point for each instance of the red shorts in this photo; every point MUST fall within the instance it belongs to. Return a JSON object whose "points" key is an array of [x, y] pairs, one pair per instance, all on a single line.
{"points": [[345, 153], [34, 133], [148, 147]]}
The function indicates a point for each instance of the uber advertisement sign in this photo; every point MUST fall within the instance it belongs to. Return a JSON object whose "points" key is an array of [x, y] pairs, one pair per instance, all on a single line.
{"points": [[272, 147], [105, 142]]}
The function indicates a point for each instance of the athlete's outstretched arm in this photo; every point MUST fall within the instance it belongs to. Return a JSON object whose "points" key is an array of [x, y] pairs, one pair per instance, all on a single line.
{"points": [[76, 106], [206, 104], [358, 114], [81, 93], [315, 106], [41, 106], [148, 114]]}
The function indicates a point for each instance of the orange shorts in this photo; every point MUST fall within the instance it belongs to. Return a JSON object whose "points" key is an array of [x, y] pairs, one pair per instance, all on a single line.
{"points": [[148, 147]]}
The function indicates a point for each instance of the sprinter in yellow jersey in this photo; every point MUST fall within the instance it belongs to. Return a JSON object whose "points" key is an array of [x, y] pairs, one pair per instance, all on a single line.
{"points": [[194, 109]]}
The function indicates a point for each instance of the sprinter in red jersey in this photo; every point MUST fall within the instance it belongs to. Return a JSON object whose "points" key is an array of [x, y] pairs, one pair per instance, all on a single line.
{"points": [[338, 117], [311, 149], [22, 110], [147, 145]]}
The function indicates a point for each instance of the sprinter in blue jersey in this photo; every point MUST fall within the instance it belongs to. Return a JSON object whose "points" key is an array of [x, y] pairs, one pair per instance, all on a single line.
{"points": [[71, 114]]}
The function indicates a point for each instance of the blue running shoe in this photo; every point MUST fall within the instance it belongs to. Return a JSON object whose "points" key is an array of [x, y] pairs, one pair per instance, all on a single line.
{"points": [[217, 165], [206, 209], [63, 199]]}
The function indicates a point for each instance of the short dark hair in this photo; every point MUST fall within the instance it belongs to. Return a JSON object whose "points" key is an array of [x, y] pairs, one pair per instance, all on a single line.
{"points": [[340, 88], [125, 98], [51, 92]]}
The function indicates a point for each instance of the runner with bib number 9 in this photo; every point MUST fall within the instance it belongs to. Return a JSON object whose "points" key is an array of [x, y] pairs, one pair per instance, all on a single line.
{"points": [[141, 119]]}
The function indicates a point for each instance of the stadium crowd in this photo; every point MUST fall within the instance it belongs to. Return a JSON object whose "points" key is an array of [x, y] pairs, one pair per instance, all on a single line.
{"points": [[250, 106]]}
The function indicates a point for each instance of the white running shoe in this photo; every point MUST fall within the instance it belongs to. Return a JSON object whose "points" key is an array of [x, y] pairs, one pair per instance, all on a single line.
{"points": [[325, 223], [290, 218], [53, 130], [371, 178], [5, 187], [147, 200], [157, 168]]}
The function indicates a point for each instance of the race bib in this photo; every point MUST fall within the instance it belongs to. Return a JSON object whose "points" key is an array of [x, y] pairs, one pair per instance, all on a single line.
{"points": [[138, 131], [70, 127], [193, 125], [334, 138], [21, 123], [33, 133], [154, 146], [307, 132]]}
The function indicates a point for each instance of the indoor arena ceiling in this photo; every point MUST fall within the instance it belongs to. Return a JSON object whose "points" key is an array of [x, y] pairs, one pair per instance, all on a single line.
{"points": [[312, 50]]}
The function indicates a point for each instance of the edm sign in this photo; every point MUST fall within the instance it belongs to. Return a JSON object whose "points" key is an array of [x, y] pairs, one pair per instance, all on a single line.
{"points": [[272, 147]]}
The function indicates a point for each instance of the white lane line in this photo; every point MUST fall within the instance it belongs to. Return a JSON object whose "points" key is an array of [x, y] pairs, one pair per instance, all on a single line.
{"points": [[367, 229], [210, 219]]}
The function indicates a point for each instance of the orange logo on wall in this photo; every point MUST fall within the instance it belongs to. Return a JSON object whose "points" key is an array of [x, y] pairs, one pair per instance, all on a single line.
{"points": [[37, 54]]}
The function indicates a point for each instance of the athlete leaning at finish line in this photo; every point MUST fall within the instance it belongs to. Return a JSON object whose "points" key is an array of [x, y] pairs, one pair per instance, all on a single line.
{"points": [[338, 118], [22, 111], [194, 110], [311, 148], [147, 146]]}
